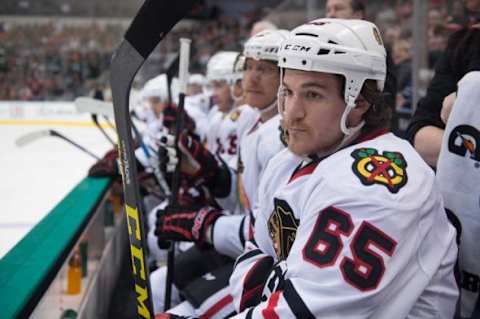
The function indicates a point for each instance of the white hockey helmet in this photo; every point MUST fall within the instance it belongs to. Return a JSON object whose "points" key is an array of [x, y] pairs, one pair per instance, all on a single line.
{"points": [[197, 79], [156, 87], [220, 67], [352, 48], [265, 45]]}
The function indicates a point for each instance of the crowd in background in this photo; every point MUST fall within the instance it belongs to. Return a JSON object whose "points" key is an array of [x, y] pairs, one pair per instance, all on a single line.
{"points": [[59, 62]]}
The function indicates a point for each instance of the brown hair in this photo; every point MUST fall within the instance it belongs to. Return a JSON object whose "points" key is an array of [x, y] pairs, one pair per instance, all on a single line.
{"points": [[379, 114]]}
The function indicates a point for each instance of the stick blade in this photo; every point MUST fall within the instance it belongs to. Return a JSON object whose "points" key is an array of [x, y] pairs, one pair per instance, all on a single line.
{"points": [[85, 104], [31, 137]]}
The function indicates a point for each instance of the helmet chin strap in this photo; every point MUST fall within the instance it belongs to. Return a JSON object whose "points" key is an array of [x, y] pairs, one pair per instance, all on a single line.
{"points": [[350, 133], [270, 107], [236, 99]]}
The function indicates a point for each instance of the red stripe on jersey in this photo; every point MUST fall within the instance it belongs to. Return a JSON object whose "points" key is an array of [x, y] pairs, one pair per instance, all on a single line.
{"points": [[254, 127], [217, 307], [269, 312], [306, 170], [370, 136]]}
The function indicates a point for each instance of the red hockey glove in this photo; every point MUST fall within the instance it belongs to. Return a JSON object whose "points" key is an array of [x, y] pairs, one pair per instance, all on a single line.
{"points": [[107, 166], [170, 117], [183, 224]]}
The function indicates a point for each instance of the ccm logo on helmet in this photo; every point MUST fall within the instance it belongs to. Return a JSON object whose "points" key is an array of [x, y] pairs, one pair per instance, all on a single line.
{"points": [[296, 47]]}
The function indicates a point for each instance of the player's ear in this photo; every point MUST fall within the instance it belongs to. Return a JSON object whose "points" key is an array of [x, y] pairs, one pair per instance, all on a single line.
{"points": [[362, 105], [357, 114]]}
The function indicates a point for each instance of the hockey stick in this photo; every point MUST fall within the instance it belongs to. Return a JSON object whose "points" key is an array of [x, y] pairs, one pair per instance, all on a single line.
{"points": [[85, 104], [154, 20], [153, 163], [171, 71], [183, 77], [33, 136], [95, 120]]}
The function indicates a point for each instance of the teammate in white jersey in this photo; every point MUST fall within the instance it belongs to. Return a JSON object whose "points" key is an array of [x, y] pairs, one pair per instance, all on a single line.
{"points": [[210, 168], [260, 140], [350, 223]]}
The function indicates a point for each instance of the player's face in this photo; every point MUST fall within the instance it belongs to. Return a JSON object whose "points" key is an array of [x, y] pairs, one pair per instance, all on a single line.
{"points": [[260, 83], [193, 89], [221, 95], [157, 105], [313, 108], [340, 9], [472, 5]]}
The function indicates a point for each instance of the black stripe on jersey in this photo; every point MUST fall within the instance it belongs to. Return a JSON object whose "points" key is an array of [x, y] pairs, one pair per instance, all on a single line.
{"points": [[246, 256], [252, 217], [240, 232], [249, 313], [295, 302]]}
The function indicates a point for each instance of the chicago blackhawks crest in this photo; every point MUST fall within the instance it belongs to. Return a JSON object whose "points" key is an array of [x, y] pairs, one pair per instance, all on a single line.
{"points": [[388, 169], [282, 226]]}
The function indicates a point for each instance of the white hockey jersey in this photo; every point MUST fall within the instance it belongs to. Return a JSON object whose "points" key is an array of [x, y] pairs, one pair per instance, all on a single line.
{"points": [[222, 136], [196, 107], [360, 234], [458, 176], [258, 145], [259, 142], [222, 140]]}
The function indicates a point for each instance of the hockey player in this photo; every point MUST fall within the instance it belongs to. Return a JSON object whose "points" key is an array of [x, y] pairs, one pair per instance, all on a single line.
{"points": [[259, 142], [220, 158], [458, 180], [197, 103], [350, 223]]}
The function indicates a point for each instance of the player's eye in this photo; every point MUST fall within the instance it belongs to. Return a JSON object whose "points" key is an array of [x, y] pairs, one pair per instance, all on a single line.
{"points": [[312, 95]]}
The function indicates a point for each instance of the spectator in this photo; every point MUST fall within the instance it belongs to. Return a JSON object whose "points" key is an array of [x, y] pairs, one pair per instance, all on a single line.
{"points": [[402, 58], [461, 56], [355, 9]]}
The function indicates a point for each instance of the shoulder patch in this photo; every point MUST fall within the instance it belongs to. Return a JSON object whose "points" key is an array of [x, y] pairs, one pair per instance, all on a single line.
{"points": [[235, 115], [282, 226], [388, 169]]}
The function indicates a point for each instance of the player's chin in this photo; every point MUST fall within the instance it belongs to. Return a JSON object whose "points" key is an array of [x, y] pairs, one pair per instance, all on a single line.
{"points": [[298, 147]]}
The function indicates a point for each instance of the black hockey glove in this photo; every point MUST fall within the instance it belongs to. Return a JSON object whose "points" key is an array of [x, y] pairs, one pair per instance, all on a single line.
{"points": [[184, 224], [198, 165]]}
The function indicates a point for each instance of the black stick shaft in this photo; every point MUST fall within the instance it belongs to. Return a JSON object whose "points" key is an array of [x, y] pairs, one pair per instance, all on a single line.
{"points": [[155, 19], [80, 147], [95, 120], [183, 76]]}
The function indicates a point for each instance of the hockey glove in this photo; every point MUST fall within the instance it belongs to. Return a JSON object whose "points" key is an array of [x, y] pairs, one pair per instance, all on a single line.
{"points": [[107, 166], [183, 224], [170, 118], [198, 164]]}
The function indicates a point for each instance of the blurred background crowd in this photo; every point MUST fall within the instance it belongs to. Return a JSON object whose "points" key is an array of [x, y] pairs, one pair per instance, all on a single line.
{"points": [[62, 49]]}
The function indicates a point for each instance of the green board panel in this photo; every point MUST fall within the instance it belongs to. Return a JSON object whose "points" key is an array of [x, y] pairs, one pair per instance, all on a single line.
{"points": [[24, 268]]}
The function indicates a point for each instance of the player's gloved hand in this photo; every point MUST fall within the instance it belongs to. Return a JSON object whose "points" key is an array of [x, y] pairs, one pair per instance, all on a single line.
{"points": [[186, 224], [170, 118], [198, 164], [106, 166]]}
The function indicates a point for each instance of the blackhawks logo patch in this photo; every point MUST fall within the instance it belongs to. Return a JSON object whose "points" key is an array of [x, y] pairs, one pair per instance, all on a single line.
{"points": [[388, 169], [235, 115], [282, 226]]}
